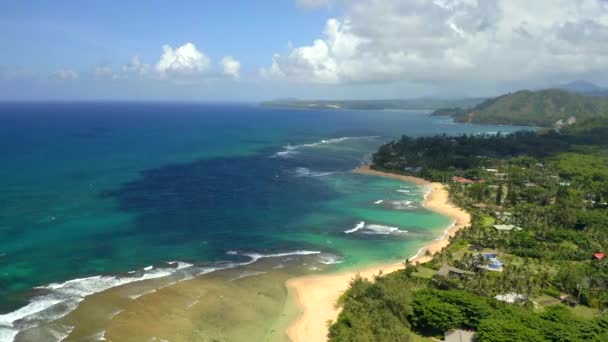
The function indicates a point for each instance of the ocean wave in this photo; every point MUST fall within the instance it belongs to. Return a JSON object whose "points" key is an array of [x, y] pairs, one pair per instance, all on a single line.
{"points": [[378, 202], [179, 264], [135, 296], [256, 256], [404, 191], [247, 274], [359, 226], [59, 299], [382, 230], [289, 149], [329, 259], [374, 229], [305, 172], [403, 205]]}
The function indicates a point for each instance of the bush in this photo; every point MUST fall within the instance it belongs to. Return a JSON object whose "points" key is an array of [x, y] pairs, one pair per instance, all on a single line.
{"points": [[552, 292]]}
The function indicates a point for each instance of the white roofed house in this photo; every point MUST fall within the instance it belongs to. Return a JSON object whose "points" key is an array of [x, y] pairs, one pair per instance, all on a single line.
{"points": [[511, 298], [460, 336], [506, 227]]}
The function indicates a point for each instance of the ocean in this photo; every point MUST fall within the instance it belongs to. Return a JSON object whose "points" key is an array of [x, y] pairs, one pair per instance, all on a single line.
{"points": [[100, 194]]}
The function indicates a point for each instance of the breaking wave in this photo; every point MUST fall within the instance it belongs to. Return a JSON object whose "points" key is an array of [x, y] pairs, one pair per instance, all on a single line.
{"points": [[359, 226], [59, 299], [289, 150], [403, 205], [305, 172], [374, 229]]}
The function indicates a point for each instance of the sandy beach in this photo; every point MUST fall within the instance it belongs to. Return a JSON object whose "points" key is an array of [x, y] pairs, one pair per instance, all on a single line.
{"points": [[316, 295]]}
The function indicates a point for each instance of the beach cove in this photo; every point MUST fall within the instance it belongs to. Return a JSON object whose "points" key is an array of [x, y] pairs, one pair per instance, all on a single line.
{"points": [[138, 218], [317, 295]]}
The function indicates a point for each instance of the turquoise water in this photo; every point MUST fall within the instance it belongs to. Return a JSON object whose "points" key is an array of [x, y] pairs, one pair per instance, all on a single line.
{"points": [[102, 188]]}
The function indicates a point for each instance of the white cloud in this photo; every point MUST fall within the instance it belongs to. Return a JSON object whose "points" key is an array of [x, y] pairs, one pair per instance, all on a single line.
{"points": [[65, 75], [136, 67], [231, 67], [446, 40], [186, 59], [103, 71]]}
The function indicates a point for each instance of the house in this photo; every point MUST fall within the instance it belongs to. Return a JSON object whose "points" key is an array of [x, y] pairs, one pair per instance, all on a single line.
{"points": [[502, 216], [494, 264], [491, 170], [506, 227], [500, 176], [462, 180], [511, 298], [459, 336], [599, 256]]}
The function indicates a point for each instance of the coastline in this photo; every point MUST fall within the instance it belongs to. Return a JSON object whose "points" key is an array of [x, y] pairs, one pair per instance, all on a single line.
{"points": [[317, 295]]}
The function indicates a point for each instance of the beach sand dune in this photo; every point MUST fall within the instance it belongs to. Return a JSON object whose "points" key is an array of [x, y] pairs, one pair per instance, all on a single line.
{"points": [[316, 295]]}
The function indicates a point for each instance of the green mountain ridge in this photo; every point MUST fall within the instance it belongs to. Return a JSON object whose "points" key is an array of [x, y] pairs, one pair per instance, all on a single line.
{"points": [[545, 108]]}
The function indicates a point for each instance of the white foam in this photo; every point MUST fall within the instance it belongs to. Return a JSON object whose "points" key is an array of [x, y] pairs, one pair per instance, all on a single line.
{"points": [[446, 231], [255, 256], [329, 259], [180, 264], [304, 172], [61, 335], [293, 149], [404, 191], [232, 252], [403, 205], [359, 226], [116, 313], [378, 202], [192, 304], [100, 336], [135, 296], [382, 230], [247, 274], [419, 253], [60, 299]]}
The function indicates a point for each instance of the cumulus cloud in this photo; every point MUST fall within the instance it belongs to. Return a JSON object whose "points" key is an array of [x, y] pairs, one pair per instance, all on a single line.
{"points": [[231, 67], [65, 75], [136, 67], [186, 59], [444, 40], [103, 71]]}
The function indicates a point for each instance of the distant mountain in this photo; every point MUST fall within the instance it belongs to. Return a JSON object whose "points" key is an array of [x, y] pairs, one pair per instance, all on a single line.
{"points": [[396, 104], [584, 88], [545, 108]]}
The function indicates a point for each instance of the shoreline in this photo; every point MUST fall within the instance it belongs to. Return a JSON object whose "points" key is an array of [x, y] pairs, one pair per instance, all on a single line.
{"points": [[316, 295]]}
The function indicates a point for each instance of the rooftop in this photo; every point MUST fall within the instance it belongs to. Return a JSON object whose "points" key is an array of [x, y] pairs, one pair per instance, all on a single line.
{"points": [[459, 336], [506, 227]]}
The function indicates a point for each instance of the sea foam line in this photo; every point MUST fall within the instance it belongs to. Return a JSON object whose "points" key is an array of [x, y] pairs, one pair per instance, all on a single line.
{"points": [[375, 229], [60, 299], [305, 172], [359, 226], [291, 149]]}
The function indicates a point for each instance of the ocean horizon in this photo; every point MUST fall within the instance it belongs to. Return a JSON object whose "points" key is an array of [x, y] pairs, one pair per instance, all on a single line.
{"points": [[97, 195]]}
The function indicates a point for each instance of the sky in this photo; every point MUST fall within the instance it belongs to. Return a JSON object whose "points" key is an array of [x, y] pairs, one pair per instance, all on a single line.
{"points": [[241, 50]]}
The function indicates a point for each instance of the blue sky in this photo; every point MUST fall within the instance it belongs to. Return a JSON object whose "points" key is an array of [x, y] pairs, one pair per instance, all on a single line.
{"points": [[252, 50]]}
